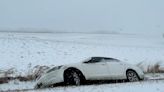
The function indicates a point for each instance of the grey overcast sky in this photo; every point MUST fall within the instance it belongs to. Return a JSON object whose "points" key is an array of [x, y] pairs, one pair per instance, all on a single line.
{"points": [[83, 15]]}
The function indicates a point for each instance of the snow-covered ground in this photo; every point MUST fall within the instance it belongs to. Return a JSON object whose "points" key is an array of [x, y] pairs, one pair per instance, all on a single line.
{"points": [[144, 86], [17, 85], [20, 52], [156, 86], [23, 51]]}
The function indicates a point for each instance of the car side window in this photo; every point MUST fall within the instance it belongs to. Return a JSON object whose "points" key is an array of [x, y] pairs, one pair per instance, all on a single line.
{"points": [[111, 60]]}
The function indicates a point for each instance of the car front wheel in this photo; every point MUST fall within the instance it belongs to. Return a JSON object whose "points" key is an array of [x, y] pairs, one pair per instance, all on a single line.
{"points": [[72, 78], [38, 86]]}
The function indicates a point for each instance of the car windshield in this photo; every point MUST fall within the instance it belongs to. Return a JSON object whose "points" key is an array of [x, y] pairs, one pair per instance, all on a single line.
{"points": [[93, 60], [86, 60]]}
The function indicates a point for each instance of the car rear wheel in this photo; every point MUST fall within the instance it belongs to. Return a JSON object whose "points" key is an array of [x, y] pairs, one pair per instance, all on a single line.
{"points": [[132, 76], [72, 78]]}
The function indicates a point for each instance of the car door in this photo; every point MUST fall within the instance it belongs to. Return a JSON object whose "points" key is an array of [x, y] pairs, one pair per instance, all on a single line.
{"points": [[116, 69], [96, 71]]}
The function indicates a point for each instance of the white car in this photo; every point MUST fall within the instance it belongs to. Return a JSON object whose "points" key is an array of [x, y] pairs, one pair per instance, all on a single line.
{"points": [[94, 68]]}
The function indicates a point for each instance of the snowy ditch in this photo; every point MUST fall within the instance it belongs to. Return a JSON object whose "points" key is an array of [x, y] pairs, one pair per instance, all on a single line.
{"points": [[156, 81]]}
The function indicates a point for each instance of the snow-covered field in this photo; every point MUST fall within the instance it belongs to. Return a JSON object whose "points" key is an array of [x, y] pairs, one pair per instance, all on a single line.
{"points": [[23, 51], [20, 52]]}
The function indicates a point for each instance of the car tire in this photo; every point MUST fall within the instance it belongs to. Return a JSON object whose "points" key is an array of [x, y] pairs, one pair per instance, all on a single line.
{"points": [[38, 86], [132, 76], [72, 78]]}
